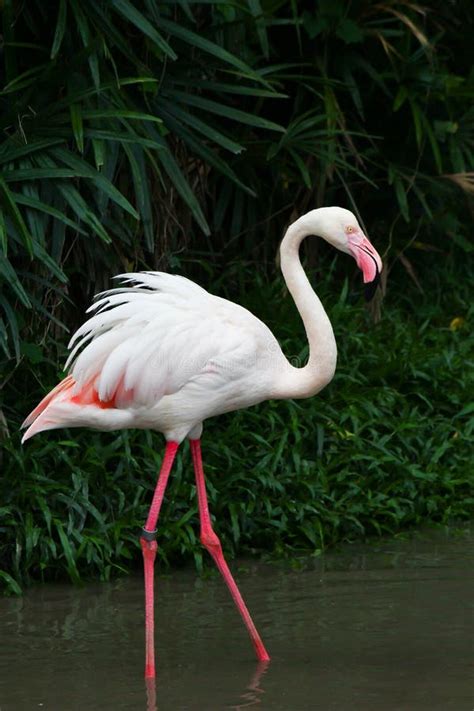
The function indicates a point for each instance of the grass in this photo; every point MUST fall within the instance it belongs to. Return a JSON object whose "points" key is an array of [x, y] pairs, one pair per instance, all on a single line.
{"points": [[385, 447]]}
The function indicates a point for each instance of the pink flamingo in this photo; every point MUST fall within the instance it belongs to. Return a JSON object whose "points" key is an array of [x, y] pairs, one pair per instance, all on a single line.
{"points": [[162, 353]]}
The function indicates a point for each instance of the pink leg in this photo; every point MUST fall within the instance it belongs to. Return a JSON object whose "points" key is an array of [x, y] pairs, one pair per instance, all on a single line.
{"points": [[148, 544], [213, 545]]}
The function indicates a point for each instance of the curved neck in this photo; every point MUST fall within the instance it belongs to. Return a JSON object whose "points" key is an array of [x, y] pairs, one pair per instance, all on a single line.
{"points": [[319, 370]]}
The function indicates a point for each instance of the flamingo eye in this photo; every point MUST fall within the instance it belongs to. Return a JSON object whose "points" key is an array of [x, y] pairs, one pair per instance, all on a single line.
{"points": [[349, 229]]}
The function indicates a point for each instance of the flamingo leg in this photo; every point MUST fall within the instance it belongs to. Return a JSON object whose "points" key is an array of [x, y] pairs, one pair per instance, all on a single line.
{"points": [[212, 543], [149, 546]]}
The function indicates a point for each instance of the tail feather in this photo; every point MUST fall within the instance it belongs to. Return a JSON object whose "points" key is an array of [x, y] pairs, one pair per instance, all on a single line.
{"points": [[41, 424], [66, 384], [71, 405]]}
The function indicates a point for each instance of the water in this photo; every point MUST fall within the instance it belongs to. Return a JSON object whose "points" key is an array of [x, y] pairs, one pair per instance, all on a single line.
{"points": [[388, 628]]}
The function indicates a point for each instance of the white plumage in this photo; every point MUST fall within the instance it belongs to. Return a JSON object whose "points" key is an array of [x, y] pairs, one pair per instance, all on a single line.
{"points": [[167, 354]]}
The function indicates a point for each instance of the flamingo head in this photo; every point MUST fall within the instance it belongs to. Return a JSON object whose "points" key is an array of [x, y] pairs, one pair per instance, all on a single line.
{"points": [[340, 228]]}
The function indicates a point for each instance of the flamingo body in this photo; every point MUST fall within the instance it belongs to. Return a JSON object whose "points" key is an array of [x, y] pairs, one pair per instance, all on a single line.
{"points": [[163, 354]]}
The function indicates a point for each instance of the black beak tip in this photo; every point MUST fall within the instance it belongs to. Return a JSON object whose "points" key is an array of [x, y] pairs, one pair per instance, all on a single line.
{"points": [[371, 287]]}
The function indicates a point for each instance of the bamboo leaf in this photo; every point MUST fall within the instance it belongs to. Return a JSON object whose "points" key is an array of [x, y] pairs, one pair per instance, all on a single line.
{"points": [[84, 32], [225, 88], [204, 128], [174, 172], [30, 76], [227, 111], [257, 13], [98, 147], [80, 209], [4, 339], [82, 167], [41, 254], [11, 582], [401, 197], [36, 204], [210, 157], [68, 552], [13, 324], [195, 40], [60, 28], [10, 151], [21, 174], [142, 193], [107, 86], [122, 138], [12, 209], [3, 234], [8, 31], [77, 127], [434, 145], [120, 113], [11, 277], [130, 12]]}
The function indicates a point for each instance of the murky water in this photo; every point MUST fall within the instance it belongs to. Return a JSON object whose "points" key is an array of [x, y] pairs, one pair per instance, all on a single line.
{"points": [[388, 628]]}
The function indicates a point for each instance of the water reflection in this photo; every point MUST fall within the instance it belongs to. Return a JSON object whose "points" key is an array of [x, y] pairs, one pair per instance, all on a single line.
{"points": [[253, 694], [250, 697], [150, 686], [367, 629]]}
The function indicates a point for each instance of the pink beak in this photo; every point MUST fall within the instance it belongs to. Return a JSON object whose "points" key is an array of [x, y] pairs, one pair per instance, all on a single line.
{"points": [[366, 256]]}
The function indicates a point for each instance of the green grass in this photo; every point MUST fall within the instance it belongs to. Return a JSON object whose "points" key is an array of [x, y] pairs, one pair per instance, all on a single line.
{"points": [[385, 447]]}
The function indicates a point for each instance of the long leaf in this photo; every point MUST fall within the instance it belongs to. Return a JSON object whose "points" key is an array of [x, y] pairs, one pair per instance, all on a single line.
{"points": [[122, 138], [11, 277], [130, 12], [68, 552], [86, 93], [237, 89], [10, 151], [82, 167], [77, 126], [25, 79], [29, 201], [11, 582], [142, 192], [222, 110], [84, 31], [3, 232], [79, 207], [207, 155], [13, 324], [20, 174], [120, 113], [204, 128], [8, 31], [195, 40], [257, 14], [11, 208], [60, 29], [173, 170]]}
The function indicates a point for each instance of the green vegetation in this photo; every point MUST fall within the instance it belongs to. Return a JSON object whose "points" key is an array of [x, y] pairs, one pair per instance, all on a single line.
{"points": [[185, 136]]}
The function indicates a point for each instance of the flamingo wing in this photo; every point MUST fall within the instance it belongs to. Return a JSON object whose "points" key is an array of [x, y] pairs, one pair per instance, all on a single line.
{"points": [[148, 340]]}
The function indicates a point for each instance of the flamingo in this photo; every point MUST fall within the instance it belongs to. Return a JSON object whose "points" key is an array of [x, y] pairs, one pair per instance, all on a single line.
{"points": [[162, 353]]}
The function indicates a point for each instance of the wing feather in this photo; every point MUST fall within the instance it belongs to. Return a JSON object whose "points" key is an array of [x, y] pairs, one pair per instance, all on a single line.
{"points": [[148, 340]]}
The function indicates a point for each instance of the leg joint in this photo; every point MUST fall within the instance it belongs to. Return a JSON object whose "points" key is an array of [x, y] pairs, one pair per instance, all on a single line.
{"points": [[148, 535], [210, 540]]}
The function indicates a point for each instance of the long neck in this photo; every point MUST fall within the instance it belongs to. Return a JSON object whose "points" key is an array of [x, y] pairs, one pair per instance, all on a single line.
{"points": [[319, 370]]}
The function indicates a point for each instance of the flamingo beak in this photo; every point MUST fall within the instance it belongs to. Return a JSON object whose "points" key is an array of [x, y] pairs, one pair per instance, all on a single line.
{"points": [[368, 260]]}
